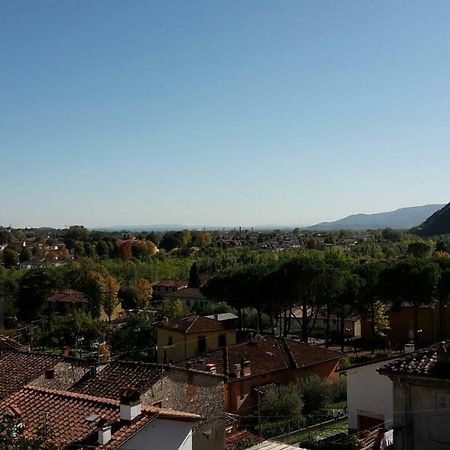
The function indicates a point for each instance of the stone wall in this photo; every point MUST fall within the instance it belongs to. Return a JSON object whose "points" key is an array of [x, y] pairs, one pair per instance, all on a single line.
{"points": [[195, 392]]}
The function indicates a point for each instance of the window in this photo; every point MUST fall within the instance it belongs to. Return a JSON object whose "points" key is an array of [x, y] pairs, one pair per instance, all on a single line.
{"points": [[201, 344], [222, 340], [443, 401]]}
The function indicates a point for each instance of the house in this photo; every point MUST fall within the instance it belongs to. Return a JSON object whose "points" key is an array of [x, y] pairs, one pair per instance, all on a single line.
{"points": [[421, 382], [228, 319], [82, 422], [18, 368], [189, 336], [318, 323], [433, 323], [166, 386], [8, 343], [369, 407], [65, 301], [261, 361], [162, 287], [191, 298]]}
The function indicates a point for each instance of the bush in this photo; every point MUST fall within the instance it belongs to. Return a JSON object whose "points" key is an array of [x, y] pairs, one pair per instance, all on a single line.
{"points": [[315, 394], [272, 429]]}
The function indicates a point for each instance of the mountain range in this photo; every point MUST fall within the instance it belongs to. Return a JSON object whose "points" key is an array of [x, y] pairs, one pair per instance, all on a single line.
{"points": [[403, 218]]}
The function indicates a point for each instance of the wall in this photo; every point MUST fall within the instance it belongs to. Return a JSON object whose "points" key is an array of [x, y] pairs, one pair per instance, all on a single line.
{"points": [[369, 394], [196, 392], [185, 346], [161, 434], [66, 375], [241, 395], [420, 420]]}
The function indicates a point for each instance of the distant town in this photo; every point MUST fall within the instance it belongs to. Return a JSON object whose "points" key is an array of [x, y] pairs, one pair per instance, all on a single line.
{"points": [[225, 339]]}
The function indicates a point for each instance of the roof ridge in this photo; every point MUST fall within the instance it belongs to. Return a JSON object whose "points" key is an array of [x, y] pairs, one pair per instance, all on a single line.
{"points": [[73, 395], [195, 320], [291, 360]]}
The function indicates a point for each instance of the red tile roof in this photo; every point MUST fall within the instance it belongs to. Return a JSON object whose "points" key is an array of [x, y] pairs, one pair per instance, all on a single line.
{"points": [[433, 361], [193, 324], [68, 296], [266, 354], [187, 293], [7, 343], [175, 284], [67, 415], [19, 368], [111, 380]]}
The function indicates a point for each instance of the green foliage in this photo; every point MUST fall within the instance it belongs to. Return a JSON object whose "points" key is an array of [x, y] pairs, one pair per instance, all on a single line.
{"points": [[10, 257], [34, 288], [172, 309], [315, 394], [273, 428], [282, 402], [135, 338]]}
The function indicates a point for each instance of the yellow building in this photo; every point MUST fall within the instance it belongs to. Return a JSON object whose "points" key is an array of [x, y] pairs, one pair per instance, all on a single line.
{"points": [[190, 336]]}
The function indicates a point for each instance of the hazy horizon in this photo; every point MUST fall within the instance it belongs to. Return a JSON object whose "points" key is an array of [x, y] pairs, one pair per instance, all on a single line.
{"points": [[221, 113]]}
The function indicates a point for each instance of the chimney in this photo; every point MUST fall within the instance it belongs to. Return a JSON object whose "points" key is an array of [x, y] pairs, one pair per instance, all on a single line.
{"points": [[66, 351], [211, 368], [246, 368], [93, 371], [130, 404], [237, 370], [50, 373], [104, 432], [409, 348], [443, 355], [216, 316]]}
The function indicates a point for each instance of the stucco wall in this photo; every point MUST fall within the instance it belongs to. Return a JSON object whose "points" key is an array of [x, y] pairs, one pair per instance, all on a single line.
{"points": [[185, 346], [369, 394], [421, 421]]}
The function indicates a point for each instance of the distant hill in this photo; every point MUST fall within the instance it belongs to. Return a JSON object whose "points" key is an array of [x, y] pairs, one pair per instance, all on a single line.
{"points": [[403, 218], [437, 223]]}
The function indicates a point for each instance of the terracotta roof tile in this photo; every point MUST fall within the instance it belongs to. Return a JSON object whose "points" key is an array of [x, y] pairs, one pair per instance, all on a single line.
{"points": [[68, 296], [67, 415], [112, 379], [266, 354], [193, 324], [433, 361], [19, 368]]}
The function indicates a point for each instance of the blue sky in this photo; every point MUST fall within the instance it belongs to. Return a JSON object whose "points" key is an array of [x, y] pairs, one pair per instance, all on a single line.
{"points": [[221, 112]]}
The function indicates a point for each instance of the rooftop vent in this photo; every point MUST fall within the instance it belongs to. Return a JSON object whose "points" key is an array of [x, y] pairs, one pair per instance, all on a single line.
{"points": [[443, 354], [50, 373]]}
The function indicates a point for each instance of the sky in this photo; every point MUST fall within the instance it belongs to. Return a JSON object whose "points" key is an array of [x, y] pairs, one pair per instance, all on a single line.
{"points": [[221, 112]]}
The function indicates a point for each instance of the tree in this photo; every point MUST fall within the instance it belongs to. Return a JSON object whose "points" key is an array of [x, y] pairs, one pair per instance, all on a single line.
{"points": [[315, 394], [172, 309], [94, 287], [144, 292], [281, 402], [110, 296], [25, 254], [194, 276], [412, 280], [101, 248], [34, 288], [10, 258]]}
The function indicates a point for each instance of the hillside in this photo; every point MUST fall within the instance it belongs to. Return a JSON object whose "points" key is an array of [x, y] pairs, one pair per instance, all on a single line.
{"points": [[403, 218], [438, 223]]}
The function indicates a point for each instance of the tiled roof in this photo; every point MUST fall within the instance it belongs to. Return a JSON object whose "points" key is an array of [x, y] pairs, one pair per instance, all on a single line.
{"points": [[266, 354], [19, 368], [193, 324], [433, 361], [73, 418], [111, 380], [187, 293], [68, 296], [7, 343], [176, 284]]}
